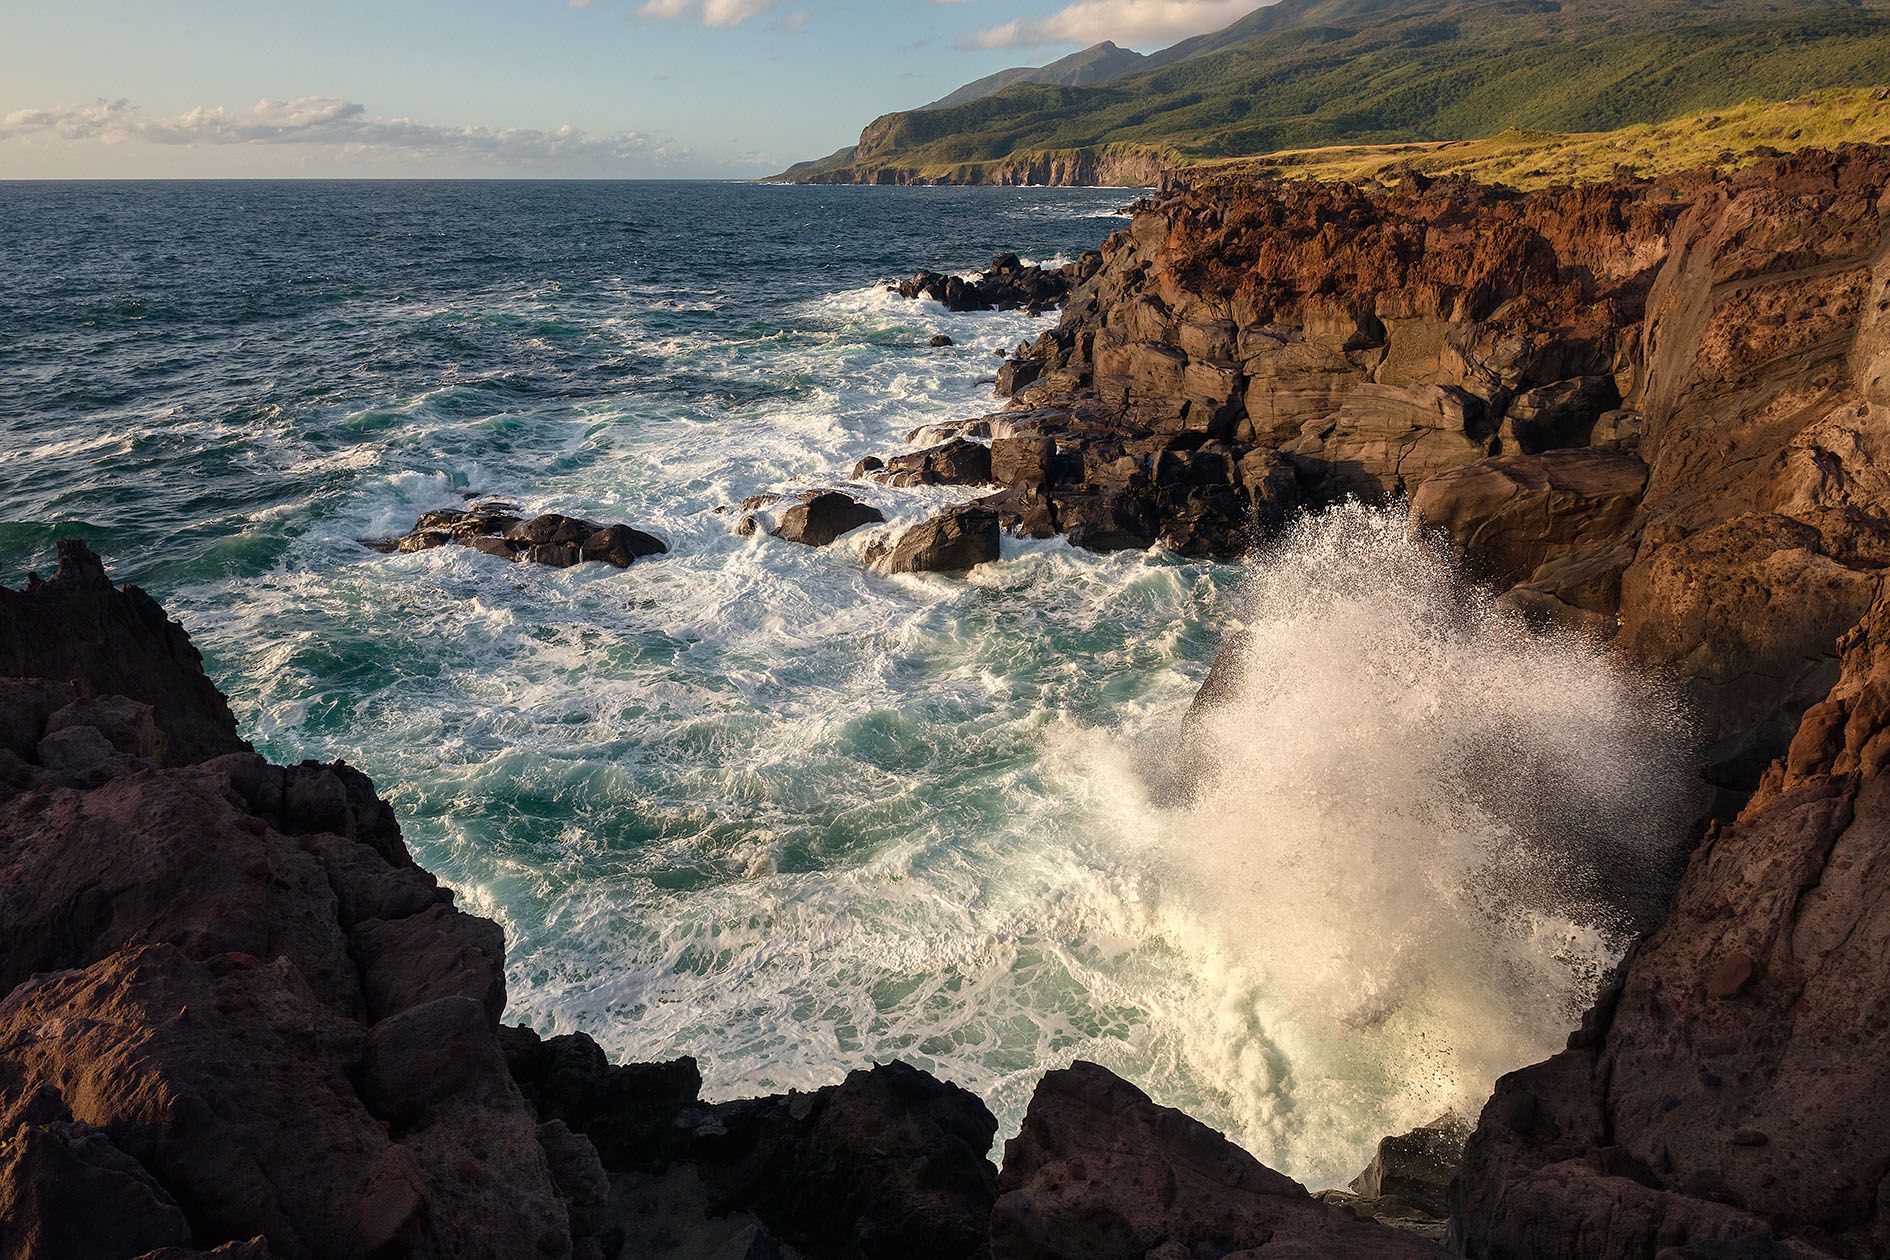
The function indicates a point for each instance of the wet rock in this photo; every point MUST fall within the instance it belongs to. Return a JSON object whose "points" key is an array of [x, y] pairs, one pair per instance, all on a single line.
{"points": [[496, 529], [955, 540], [1006, 285], [958, 462], [940, 341], [1099, 1172], [1509, 516], [820, 518], [1414, 1169]]}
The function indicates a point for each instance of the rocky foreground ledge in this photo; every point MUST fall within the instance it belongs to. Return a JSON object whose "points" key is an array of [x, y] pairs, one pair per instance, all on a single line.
{"points": [[239, 1021]]}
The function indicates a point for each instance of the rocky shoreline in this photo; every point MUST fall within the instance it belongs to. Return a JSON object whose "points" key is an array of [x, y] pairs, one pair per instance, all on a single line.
{"points": [[239, 1020]]}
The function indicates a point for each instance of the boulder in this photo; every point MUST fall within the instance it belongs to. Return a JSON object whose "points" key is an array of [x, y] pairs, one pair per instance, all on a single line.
{"points": [[1099, 1172], [496, 529], [891, 1164], [955, 540], [957, 462], [940, 341], [820, 518]]}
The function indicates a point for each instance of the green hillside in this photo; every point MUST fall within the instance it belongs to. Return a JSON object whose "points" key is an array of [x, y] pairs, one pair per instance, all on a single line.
{"points": [[1308, 73]]}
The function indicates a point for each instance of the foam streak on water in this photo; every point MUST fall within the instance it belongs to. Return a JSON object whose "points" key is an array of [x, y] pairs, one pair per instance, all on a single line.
{"points": [[747, 801]]}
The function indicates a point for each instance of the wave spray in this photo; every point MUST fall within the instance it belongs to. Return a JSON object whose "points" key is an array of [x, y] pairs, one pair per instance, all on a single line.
{"points": [[1416, 835]]}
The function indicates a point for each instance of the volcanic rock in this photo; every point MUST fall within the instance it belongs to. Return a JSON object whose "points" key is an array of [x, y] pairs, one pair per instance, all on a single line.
{"points": [[1734, 1084], [1099, 1172], [955, 540], [497, 530], [820, 518]]}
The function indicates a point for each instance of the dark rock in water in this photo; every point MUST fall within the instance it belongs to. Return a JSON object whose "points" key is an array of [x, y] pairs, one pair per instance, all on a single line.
{"points": [[1099, 1172], [955, 540], [1413, 1170], [872, 463], [496, 529], [940, 341], [958, 462], [820, 518], [1007, 285], [114, 640]]}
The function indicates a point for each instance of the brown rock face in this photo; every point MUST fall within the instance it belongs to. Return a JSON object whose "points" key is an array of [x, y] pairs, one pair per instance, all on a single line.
{"points": [[1100, 1172], [79, 626], [1737, 1084]]}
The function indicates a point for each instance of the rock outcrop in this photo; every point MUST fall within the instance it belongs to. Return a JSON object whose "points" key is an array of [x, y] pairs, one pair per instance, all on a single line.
{"points": [[955, 540], [1099, 1172], [498, 529], [1735, 1086], [1008, 284], [1647, 410]]}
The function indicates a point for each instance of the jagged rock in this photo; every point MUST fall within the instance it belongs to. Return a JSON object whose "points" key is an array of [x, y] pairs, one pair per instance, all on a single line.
{"points": [[496, 529], [1414, 1169], [1099, 1172], [955, 540], [1733, 1086], [119, 642], [820, 518], [1006, 285], [888, 1165]]}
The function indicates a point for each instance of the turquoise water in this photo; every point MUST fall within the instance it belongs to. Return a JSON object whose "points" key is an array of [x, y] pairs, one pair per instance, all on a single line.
{"points": [[747, 801]]}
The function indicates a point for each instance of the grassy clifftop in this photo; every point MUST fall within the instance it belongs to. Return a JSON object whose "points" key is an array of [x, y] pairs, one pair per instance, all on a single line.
{"points": [[1727, 138], [1311, 73]]}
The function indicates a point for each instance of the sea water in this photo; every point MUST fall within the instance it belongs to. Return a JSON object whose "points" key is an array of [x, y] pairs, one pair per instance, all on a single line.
{"points": [[747, 801]]}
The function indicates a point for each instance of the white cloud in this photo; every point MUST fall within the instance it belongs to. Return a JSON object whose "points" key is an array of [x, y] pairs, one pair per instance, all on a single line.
{"points": [[1131, 23], [343, 125], [708, 12]]}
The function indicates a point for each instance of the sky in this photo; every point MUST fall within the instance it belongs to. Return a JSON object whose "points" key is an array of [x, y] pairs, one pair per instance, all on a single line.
{"points": [[149, 89]]}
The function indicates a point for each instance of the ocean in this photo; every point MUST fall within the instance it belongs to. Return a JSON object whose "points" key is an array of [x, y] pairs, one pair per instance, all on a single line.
{"points": [[748, 801]]}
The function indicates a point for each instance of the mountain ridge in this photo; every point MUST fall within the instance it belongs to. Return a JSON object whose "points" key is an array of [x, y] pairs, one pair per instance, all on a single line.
{"points": [[1306, 73]]}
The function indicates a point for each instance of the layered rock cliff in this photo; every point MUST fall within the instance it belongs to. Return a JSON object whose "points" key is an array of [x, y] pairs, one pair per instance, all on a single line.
{"points": [[1648, 410]]}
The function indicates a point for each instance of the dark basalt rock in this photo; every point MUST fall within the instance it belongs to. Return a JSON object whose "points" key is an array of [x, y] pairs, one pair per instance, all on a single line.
{"points": [[954, 541], [1005, 286], [820, 518], [114, 640], [551, 539], [1099, 1172], [957, 462]]}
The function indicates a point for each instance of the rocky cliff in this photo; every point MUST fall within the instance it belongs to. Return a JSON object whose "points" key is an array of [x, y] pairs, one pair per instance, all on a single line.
{"points": [[1652, 412], [1647, 410], [237, 1019]]}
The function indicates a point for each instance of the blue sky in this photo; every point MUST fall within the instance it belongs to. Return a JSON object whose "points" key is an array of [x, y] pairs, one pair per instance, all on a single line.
{"points": [[622, 88]]}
